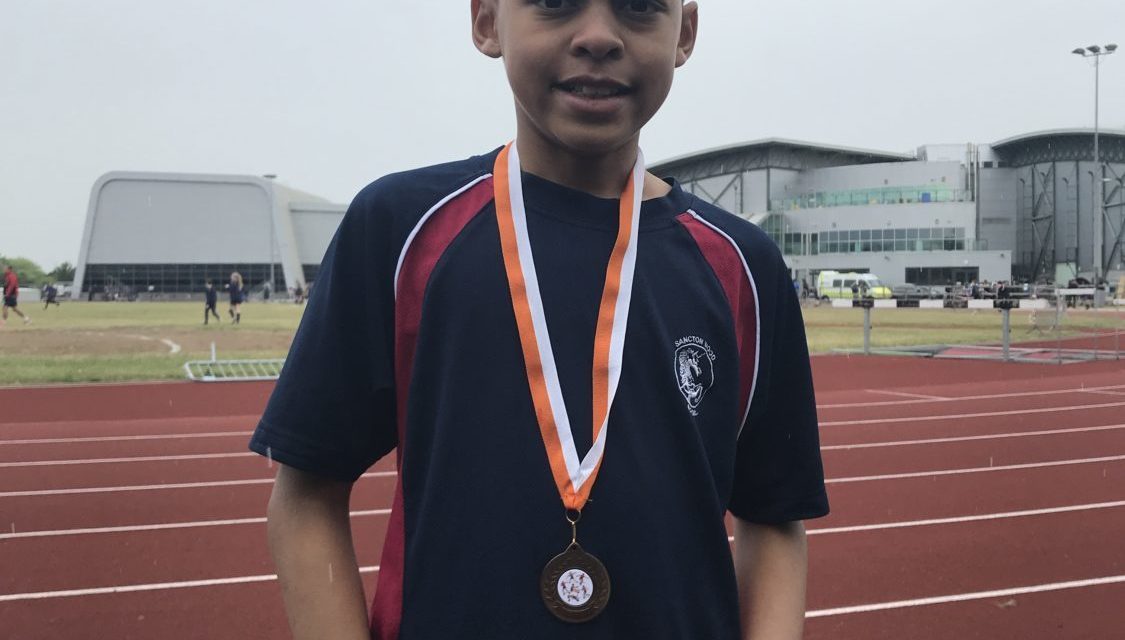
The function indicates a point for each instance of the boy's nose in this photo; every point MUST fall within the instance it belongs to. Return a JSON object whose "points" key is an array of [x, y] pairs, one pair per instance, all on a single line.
{"points": [[596, 33]]}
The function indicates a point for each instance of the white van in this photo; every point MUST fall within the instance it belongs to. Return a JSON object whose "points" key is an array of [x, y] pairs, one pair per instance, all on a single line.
{"points": [[836, 284]]}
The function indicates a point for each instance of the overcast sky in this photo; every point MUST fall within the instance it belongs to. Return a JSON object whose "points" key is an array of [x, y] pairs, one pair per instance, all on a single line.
{"points": [[330, 95]]}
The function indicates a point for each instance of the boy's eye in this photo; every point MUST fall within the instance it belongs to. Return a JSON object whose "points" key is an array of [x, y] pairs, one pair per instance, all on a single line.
{"points": [[554, 4], [639, 6]]}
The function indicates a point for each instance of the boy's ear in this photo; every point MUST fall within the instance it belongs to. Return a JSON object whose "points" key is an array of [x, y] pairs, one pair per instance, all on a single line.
{"points": [[485, 34], [689, 28]]}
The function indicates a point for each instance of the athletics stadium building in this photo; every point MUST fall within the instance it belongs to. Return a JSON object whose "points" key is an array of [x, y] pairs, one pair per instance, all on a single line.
{"points": [[1022, 208], [167, 233], [1019, 208]]}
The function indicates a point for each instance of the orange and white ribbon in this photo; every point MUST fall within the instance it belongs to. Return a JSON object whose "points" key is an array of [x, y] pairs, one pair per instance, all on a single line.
{"points": [[573, 477]]}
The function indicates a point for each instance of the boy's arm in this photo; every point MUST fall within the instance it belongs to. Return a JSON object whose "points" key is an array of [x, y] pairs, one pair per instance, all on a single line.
{"points": [[770, 564], [310, 539]]}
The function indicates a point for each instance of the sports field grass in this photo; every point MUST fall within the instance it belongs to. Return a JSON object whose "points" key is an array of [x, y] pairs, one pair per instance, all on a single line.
{"points": [[119, 341]]}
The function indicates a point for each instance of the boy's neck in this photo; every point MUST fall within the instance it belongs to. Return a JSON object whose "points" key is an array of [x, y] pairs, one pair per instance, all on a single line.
{"points": [[603, 175]]}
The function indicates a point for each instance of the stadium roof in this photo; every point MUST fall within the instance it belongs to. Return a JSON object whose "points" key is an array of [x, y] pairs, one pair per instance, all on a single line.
{"points": [[1056, 133], [872, 154]]}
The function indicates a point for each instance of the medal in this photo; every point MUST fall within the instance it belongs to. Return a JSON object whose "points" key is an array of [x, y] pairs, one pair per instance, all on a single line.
{"points": [[574, 585]]}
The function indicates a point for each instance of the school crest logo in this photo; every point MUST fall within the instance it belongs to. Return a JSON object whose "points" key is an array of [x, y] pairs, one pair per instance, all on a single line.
{"points": [[695, 370]]}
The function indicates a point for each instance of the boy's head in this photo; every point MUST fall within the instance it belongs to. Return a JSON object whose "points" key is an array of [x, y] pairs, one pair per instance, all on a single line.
{"points": [[586, 74]]}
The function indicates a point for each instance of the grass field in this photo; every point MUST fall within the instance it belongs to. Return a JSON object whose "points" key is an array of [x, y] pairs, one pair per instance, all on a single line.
{"points": [[118, 341]]}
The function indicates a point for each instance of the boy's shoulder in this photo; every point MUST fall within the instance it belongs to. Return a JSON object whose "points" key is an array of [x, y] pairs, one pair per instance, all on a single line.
{"points": [[762, 255], [407, 195]]}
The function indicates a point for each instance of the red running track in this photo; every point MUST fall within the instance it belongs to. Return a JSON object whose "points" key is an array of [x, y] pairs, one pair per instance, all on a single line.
{"points": [[970, 500]]}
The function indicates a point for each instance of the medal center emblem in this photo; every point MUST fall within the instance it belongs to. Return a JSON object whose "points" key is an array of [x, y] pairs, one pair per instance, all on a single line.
{"points": [[575, 587]]}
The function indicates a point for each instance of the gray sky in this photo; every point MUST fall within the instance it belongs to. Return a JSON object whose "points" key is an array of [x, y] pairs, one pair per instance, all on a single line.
{"points": [[331, 95]]}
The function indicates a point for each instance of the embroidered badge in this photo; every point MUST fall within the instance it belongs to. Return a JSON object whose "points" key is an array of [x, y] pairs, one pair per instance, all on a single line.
{"points": [[695, 371]]}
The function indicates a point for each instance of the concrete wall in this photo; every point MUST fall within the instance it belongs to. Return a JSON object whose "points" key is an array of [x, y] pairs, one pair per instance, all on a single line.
{"points": [[314, 228], [998, 199], [891, 267], [755, 195], [163, 221], [888, 174]]}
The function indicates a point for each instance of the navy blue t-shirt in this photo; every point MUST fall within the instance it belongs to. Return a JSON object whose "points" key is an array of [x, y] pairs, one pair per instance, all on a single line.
{"points": [[410, 341]]}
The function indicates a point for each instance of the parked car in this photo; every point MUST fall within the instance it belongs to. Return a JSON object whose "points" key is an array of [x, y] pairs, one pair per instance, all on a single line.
{"points": [[917, 292]]}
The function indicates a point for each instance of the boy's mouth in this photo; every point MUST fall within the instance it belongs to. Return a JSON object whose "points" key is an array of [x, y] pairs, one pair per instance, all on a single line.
{"points": [[592, 89]]}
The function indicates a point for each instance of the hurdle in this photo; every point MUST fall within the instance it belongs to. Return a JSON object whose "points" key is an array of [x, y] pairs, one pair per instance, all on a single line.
{"points": [[247, 370]]}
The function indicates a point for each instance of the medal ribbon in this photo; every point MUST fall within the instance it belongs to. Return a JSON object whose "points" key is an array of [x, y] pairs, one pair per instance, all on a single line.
{"points": [[573, 477]]}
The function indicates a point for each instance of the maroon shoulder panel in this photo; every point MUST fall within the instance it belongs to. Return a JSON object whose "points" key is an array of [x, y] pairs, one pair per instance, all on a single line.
{"points": [[427, 247], [727, 262]]}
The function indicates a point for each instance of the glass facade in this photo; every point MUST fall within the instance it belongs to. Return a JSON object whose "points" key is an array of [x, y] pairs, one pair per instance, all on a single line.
{"points": [[130, 279], [888, 240], [882, 195]]}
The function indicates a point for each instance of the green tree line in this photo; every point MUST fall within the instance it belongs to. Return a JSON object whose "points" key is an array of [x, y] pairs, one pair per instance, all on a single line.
{"points": [[31, 274]]}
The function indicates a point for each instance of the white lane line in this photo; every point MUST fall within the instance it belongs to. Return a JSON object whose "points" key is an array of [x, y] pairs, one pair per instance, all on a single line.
{"points": [[962, 597], [1105, 393], [990, 396], [953, 472], [958, 519], [157, 487], [174, 348], [158, 586], [186, 456], [162, 526], [990, 436], [164, 436], [903, 394], [984, 414]]}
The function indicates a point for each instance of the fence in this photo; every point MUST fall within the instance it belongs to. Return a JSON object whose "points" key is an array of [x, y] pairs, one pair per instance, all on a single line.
{"points": [[1050, 334]]}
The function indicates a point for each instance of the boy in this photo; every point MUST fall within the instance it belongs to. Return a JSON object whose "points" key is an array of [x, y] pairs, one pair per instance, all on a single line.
{"points": [[50, 296], [492, 292], [211, 300], [11, 295]]}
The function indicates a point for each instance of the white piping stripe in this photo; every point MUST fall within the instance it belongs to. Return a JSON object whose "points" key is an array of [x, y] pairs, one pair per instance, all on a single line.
{"points": [[159, 586], [991, 436], [194, 456], [162, 526], [987, 414], [418, 227], [166, 436], [1015, 394], [158, 487], [952, 472], [962, 597], [757, 316]]}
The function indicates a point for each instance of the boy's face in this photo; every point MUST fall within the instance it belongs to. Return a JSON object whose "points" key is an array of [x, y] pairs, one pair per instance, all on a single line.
{"points": [[586, 74]]}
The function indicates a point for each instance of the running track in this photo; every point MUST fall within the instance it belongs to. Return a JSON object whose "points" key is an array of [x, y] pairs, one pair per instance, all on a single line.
{"points": [[970, 500]]}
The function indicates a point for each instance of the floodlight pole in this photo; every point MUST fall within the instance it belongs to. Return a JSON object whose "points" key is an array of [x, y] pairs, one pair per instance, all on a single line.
{"points": [[271, 176], [1096, 52]]}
